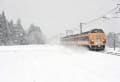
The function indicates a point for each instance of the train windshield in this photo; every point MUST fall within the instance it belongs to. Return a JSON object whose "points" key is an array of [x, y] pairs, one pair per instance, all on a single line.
{"points": [[97, 31]]}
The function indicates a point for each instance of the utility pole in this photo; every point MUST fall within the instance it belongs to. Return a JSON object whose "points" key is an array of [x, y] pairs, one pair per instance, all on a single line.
{"points": [[81, 27], [114, 41]]}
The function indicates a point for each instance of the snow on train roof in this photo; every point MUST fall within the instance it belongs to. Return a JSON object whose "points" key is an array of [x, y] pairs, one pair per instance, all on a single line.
{"points": [[92, 31]]}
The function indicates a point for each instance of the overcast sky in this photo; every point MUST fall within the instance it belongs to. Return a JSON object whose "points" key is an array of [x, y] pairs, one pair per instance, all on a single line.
{"points": [[56, 16]]}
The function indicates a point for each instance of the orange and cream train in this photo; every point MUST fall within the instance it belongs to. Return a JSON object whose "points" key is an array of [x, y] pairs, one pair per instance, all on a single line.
{"points": [[94, 39]]}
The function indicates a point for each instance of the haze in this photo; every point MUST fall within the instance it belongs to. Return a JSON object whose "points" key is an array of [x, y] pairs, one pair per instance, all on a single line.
{"points": [[56, 16]]}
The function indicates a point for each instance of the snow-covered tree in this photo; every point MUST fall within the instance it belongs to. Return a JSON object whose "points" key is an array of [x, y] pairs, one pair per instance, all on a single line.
{"points": [[35, 35], [3, 29], [19, 33], [14, 34], [113, 37]]}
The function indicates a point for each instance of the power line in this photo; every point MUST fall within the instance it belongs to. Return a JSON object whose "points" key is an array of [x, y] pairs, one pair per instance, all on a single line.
{"points": [[104, 15]]}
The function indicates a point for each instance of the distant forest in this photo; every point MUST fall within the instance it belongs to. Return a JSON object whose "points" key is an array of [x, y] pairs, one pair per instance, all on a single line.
{"points": [[14, 34]]}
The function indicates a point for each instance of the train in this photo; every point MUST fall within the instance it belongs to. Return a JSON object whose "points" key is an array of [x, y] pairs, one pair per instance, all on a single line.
{"points": [[94, 39]]}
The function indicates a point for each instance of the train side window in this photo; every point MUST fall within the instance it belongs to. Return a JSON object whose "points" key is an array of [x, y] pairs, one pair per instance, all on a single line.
{"points": [[84, 38]]}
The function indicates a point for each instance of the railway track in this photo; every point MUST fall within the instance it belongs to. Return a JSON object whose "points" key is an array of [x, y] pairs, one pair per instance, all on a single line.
{"points": [[111, 53]]}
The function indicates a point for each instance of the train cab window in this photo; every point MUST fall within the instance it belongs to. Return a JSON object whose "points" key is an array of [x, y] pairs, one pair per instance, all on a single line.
{"points": [[97, 31]]}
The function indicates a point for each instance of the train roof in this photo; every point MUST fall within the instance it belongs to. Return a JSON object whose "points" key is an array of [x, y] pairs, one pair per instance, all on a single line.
{"points": [[91, 31], [97, 31]]}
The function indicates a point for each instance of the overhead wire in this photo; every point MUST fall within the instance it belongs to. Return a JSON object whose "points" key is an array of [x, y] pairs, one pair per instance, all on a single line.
{"points": [[103, 16]]}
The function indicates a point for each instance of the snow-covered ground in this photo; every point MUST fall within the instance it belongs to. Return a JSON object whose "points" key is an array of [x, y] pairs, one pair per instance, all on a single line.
{"points": [[113, 51], [55, 63]]}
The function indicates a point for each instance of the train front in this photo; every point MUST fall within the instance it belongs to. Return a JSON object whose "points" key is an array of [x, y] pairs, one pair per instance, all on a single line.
{"points": [[97, 39]]}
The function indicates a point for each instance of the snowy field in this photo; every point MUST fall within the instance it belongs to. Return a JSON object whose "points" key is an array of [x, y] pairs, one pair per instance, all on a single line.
{"points": [[55, 63]]}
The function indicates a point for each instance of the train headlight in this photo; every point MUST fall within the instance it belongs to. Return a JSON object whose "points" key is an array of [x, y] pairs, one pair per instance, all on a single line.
{"points": [[91, 41], [104, 41]]}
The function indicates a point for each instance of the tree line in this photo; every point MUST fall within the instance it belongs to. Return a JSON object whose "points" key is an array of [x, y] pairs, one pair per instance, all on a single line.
{"points": [[14, 34]]}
